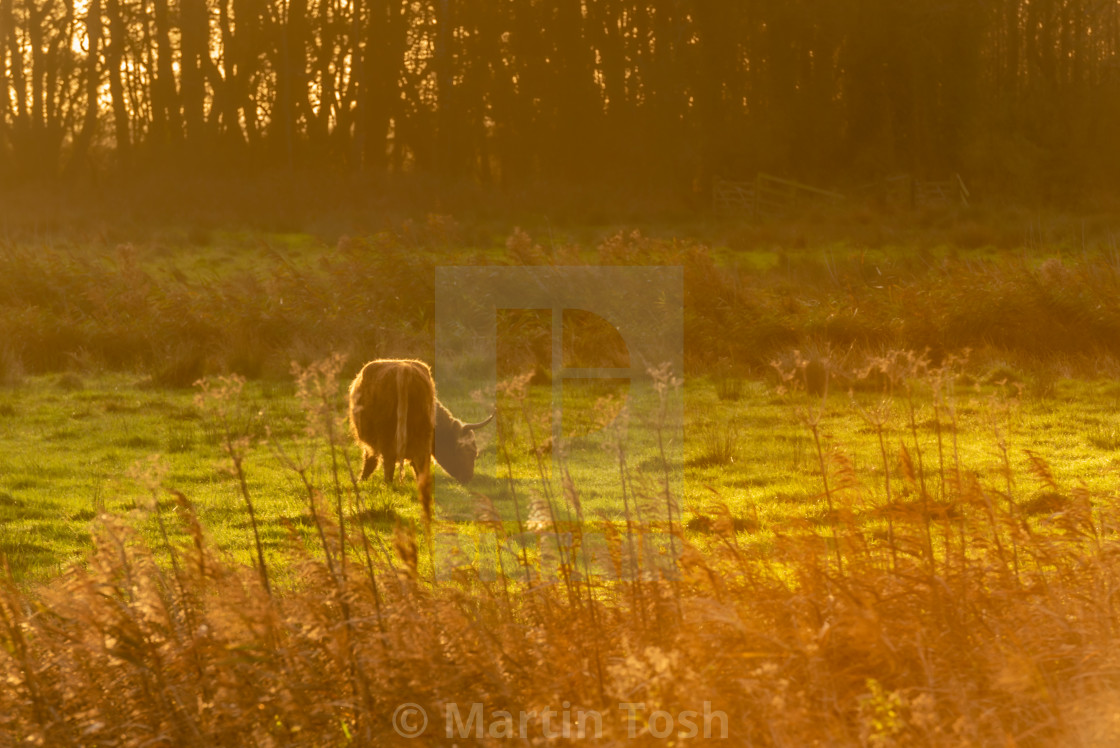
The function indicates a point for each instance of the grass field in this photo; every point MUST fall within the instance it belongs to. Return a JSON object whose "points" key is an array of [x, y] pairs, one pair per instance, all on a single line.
{"points": [[879, 537], [75, 447]]}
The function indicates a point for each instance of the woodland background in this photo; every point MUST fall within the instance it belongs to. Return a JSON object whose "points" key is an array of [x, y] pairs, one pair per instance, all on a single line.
{"points": [[1021, 97]]}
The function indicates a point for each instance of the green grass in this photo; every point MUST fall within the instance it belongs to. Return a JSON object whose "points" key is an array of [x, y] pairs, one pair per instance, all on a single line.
{"points": [[70, 453]]}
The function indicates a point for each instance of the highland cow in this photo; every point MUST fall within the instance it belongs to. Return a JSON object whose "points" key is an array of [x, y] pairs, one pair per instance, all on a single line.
{"points": [[396, 416]]}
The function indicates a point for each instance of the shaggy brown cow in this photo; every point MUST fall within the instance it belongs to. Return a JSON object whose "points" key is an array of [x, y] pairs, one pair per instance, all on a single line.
{"points": [[396, 416]]}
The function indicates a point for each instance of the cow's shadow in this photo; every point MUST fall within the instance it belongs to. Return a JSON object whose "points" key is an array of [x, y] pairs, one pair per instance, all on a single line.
{"points": [[388, 506], [384, 505], [381, 518], [479, 499]]}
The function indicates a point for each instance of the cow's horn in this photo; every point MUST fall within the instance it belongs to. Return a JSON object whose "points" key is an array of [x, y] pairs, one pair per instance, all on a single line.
{"points": [[480, 424]]}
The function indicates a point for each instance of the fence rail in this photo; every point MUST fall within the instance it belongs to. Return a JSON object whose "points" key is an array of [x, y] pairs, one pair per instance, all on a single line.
{"points": [[734, 198], [932, 193], [767, 195]]}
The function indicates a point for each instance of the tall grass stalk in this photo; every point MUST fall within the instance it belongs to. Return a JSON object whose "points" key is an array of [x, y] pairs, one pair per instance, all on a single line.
{"points": [[878, 418], [797, 377], [516, 389], [664, 384], [916, 367], [223, 396]]}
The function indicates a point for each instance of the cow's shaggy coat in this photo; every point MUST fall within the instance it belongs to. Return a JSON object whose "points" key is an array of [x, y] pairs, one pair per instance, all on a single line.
{"points": [[396, 416]]}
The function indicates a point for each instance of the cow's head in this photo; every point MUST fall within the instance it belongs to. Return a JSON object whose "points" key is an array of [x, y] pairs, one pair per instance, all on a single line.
{"points": [[454, 447]]}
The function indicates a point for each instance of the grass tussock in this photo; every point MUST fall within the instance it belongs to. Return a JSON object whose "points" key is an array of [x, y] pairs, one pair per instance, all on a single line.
{"points": [[719, 445], [938, 608]]}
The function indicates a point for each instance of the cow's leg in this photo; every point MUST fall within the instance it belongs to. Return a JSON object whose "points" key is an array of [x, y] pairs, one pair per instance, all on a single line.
{"points": [[422, 466], [369, 463], [390, 466]]}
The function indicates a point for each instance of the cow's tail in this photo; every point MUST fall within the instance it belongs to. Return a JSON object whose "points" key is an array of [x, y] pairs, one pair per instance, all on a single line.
{"points": [[356, 405], [402, 410]]}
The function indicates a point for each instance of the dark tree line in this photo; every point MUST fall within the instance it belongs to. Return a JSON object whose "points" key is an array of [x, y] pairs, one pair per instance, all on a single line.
{"points": [[1020, 92]]}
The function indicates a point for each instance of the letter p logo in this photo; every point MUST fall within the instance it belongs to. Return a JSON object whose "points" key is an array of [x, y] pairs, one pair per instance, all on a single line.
{"points": [[538, 470]]}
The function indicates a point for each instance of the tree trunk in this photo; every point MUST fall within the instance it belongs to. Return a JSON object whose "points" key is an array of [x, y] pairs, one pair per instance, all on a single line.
{"points": [[319, 125], [1014, 34], [291, 80], [20, 116], [164, 95], [357, 93], [5, 97], [195, 39], [575, 117], [36, 14], [249, 48], [447, 115], [58, 74], [93, 81], [383, 56], [716, 66], [228, 106], [114, 55]]}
